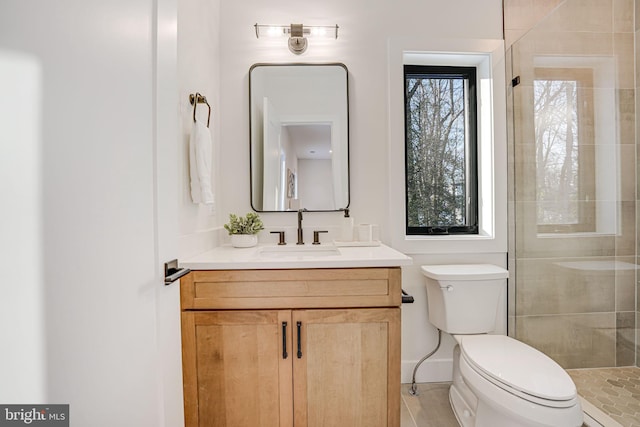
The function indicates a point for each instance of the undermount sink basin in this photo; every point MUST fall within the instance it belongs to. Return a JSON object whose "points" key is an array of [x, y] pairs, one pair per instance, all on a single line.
{"points": [[298, 251]]}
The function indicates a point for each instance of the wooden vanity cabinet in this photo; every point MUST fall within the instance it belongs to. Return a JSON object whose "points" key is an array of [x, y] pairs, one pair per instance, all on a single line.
{"points": [[303, 348]]}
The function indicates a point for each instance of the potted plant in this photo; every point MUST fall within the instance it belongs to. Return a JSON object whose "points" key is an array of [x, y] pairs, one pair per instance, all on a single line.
{"points": [[244, 230]]}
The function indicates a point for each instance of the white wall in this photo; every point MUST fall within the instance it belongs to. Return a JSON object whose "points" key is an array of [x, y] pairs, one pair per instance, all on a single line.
{"points": [[366, 29], [313, 176], [199, 71], [82, 278]]}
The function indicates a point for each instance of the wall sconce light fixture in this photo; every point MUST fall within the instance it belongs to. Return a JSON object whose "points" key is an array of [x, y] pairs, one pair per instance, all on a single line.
{"points": [[297, 34]]}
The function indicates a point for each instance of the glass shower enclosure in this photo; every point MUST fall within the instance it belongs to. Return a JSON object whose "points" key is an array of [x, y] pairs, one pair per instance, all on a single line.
{"points": [[572, 190]]}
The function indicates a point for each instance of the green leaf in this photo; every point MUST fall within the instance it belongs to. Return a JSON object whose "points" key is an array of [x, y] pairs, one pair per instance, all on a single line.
{"points": [[249, 224]]}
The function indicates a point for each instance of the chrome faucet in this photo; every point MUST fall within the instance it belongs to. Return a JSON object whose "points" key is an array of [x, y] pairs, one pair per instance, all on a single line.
{"points": [[300, 235]]}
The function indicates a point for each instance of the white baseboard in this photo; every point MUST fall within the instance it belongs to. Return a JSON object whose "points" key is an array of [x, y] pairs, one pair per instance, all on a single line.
{"points": [[431, 371]]}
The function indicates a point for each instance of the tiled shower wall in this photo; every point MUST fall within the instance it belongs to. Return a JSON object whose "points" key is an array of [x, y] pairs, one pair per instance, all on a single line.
{"points": [[573, 295], [637, 128]]}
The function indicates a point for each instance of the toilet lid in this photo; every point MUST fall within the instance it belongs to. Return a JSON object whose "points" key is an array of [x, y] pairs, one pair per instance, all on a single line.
{"points": [[464, 272], [518, 366]]}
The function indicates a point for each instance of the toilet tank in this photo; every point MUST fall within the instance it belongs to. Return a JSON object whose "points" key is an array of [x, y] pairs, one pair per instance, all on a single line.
{"points": [[463, 299]]}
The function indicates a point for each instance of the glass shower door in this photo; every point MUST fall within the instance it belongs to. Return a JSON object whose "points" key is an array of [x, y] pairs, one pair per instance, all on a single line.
{"points": [[572, 191]]}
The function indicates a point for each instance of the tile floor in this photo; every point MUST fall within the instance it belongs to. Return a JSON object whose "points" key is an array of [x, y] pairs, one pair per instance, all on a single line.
{"points": [[614, 391], [429, 409]]}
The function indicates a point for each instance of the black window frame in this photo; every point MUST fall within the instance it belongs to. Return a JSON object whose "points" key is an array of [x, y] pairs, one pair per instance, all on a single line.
{"points": [[471, 148]]}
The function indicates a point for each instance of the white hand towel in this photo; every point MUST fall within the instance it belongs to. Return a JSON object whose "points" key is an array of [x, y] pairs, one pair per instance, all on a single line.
{"points": [[200, 151]]}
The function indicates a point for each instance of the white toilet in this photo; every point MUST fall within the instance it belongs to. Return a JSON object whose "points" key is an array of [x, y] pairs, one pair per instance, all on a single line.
{"points": [[497, 380]]}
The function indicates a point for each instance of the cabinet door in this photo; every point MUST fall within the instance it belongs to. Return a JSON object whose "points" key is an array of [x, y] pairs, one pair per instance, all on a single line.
{"points": [[236, 373], [348, 370]]}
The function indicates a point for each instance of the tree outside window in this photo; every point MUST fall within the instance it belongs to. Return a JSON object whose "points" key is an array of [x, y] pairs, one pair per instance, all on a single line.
{"points": [[440, 155], [565, 159]]}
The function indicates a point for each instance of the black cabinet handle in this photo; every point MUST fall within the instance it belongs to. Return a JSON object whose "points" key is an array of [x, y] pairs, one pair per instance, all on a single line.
{"points": [[299, 324], [172, 272], [406, 298], [284, 340]]}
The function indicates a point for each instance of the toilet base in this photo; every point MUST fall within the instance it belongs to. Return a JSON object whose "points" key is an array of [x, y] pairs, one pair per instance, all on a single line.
{"points": [[473, 408], [462, 400], [465, 415], [482, 416], [485, 415]]}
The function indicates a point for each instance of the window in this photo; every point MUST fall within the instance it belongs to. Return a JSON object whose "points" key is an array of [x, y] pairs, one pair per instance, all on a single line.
{"points": [[565, 157], [487, 57], [440, 150]]}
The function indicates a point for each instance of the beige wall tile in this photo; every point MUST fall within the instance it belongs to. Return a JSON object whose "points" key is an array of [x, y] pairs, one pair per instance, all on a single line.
{"points": [[637, 341], [525, 173], [574, 341], [522, 101], [572, 43], [511, 289], [512, 36], [562, 286], [624, 48], [626, 103], [522, 52], [531, 244], [518, 14], [511, 326], [522, 15], [625, 338], [623, 13], [638, 244], [627, 173], [637, 56], [638, 280], [626, 239], [626, 283], [581, 15]]}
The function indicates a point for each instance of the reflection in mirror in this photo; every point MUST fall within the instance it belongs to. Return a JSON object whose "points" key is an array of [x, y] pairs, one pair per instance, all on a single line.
{"points": [[564, 149], [299, 137], [576, 173]]}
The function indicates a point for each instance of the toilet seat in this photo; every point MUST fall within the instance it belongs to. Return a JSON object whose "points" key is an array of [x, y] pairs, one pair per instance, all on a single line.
{"points": [[519, 369]]}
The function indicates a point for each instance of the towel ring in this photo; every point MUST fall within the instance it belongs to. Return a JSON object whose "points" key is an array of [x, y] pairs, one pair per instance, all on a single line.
{"points": [[195, 99]]}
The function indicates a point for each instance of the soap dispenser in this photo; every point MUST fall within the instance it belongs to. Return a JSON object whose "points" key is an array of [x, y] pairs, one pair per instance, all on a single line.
{"points": [[347, 227]]}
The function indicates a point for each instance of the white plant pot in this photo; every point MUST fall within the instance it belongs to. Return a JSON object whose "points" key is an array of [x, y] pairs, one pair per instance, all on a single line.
{"points": [[244, 240]]}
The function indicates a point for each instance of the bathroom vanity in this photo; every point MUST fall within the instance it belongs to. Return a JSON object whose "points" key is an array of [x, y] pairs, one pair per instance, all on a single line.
{"points": [[304, 337]]}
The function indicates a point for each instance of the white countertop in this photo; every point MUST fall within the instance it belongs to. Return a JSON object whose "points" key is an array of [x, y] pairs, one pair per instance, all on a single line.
{"points": [[267, 256]]}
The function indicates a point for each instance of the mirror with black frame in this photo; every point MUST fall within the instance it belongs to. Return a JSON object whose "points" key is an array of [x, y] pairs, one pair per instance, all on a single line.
{"points": [[299, 154]]}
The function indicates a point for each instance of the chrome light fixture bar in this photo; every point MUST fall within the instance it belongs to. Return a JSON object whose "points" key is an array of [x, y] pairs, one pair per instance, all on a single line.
{"points": [[297, 34]]}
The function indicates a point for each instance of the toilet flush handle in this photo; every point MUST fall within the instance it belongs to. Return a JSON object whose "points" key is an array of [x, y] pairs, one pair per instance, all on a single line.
{"points": [[449, 288]]}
